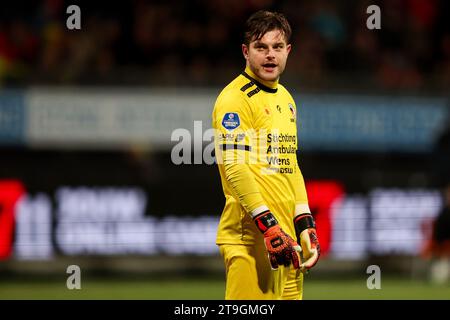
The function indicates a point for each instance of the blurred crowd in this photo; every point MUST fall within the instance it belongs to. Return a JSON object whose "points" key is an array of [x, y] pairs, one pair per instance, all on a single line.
{"points": [[198, 43]]}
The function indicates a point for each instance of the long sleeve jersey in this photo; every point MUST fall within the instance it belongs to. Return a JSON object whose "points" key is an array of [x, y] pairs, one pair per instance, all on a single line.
{"points": [[256, 152]]}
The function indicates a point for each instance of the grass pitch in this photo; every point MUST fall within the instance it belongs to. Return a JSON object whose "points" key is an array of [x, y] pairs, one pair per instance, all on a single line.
{"points": [[212, 289]]}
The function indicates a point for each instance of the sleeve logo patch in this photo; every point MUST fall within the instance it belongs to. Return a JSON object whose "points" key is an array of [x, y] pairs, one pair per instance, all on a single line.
{"points": [[231, 121]]}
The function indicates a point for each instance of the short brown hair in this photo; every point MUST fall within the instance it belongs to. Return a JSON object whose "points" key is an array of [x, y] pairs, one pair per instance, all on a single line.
{"points": [[264, 21]]}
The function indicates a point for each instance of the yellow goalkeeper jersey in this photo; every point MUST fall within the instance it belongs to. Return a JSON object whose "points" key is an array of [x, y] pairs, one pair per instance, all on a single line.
{"points": [[255, 146]]}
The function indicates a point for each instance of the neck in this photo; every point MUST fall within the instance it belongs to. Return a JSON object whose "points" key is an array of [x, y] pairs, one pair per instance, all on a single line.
{"points": [[270, 84]]}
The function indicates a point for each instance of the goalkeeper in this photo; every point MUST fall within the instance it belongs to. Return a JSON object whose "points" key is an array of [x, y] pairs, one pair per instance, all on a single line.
{"points": [[266, 233]]}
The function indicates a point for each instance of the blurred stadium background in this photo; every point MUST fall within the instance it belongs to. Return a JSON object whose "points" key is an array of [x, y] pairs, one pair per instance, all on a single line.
{"points": [[86, 123]]}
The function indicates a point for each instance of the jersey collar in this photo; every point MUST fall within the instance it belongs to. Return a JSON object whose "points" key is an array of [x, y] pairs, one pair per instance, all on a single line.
{"points": [[263, 85]]}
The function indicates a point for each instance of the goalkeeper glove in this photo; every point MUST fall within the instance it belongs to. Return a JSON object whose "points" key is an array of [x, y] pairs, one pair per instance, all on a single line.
{"points": [[305, 230], [281, 248]]}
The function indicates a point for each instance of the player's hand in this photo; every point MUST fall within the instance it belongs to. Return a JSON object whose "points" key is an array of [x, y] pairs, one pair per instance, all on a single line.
{"points": [[281, 248], [305, 229]]}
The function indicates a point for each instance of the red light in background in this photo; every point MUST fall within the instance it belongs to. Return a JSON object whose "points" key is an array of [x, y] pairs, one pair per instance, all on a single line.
{"points": [[10, 193], [321, 195]]}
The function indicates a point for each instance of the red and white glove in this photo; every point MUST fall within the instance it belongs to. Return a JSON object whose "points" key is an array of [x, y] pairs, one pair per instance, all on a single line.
{"points": [[281, 248], [305, 230]]}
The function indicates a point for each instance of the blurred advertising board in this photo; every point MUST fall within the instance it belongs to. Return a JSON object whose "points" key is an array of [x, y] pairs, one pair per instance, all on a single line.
{"points": [[111, 119], [118, 221], [371, 123], [12, 117], [106, 118]]}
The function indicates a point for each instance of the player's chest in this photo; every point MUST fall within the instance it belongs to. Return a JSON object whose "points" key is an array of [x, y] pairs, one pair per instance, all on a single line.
{"points": [[279, 114]]}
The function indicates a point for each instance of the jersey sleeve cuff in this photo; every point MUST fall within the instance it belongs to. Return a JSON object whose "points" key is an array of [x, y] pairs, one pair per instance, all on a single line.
{"points": [[301, 208], [258, 210]]}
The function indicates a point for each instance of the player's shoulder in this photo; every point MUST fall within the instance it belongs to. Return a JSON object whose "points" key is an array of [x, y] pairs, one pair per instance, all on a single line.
{"points": [[284, 91], [286, 94], [233, 93]]}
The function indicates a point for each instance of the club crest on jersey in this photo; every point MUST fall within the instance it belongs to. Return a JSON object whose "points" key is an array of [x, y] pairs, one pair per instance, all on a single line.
{"points": [[231, 121], [291, 107]]}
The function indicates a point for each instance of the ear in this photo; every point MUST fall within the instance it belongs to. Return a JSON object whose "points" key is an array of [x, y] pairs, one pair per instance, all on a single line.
{"points": [[288, 48], [245, 51]]}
